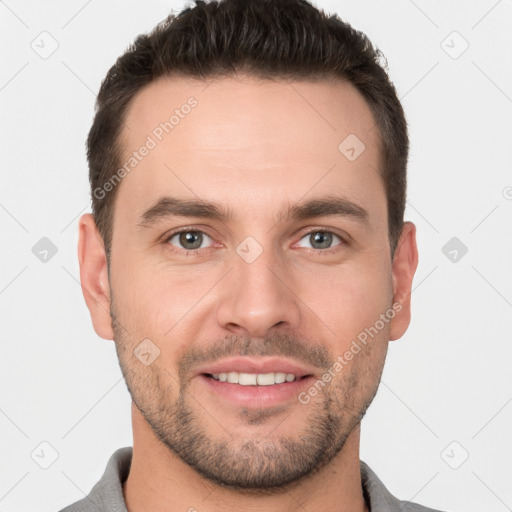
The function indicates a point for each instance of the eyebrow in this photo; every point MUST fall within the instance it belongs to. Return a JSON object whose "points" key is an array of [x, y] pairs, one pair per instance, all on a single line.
{"points": [[329, 205]]}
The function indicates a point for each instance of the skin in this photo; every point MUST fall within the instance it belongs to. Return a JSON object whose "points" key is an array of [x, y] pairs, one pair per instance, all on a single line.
{"points": [[256, 147]]}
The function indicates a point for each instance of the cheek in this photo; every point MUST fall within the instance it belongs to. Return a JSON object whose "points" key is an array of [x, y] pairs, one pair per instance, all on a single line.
{"points": [[349, 298], [159, 305], [154, 297]]}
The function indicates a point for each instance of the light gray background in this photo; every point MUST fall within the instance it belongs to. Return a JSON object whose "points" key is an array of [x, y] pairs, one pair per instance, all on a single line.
{"points": [[446, 390]]}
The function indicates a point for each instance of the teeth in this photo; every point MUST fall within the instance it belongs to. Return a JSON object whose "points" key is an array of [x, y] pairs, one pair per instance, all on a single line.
{"points": [[253, 379], [247, 379], [266, 379], [280, 377], [233, 377]]}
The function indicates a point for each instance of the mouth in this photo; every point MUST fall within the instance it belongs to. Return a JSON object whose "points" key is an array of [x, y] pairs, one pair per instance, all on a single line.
{"points": [[255, 379], [256, 382]]}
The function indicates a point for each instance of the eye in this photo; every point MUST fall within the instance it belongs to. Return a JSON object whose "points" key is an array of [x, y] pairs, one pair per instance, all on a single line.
{"points": [[189, 239], [192, 240], [319, 239]]}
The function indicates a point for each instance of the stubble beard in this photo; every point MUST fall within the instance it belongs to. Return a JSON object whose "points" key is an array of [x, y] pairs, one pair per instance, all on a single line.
{"points": [[257, 465]]}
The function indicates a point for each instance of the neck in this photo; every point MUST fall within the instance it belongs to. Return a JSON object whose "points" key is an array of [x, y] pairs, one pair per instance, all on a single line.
{"points": [[159, 480]]}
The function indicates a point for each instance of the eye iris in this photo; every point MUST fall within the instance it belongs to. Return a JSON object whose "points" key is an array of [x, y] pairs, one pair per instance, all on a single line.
{"points": [[191, 237], [323, 238]]}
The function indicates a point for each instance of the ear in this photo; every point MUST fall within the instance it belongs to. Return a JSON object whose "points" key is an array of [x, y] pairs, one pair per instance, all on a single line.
{"points": [[94, 276], [403, 269]]}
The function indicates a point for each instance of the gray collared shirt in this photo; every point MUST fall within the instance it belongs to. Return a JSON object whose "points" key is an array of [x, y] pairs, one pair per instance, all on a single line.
{"points": [[107, 494]]}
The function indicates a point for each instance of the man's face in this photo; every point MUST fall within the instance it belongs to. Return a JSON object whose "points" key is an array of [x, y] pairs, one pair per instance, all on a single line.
{"points": [[258, 292]]}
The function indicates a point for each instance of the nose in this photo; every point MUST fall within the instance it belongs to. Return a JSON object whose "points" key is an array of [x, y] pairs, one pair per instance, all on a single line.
{"points": [[257, 297]]}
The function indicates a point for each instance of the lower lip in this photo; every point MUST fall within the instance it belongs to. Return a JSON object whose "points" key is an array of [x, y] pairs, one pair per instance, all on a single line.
{"points": [[258, 396]]}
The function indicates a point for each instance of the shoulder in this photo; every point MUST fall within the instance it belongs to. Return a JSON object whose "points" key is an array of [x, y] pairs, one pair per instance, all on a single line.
{"points": [[407, 506], [107, 494], [379, 499], [84, 505]]}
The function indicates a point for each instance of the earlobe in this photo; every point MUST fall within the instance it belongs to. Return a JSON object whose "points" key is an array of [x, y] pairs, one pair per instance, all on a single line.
{"points": [[404, 266], [94, 276]]}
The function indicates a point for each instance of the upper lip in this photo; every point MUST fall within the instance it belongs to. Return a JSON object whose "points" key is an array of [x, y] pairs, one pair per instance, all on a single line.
{"points": [[255, 365]]}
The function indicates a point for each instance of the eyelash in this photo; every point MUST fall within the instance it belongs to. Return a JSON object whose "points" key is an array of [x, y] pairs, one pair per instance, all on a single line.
{"points": [[198, 252]]}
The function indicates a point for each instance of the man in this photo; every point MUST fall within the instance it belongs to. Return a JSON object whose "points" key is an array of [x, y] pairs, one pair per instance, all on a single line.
{"points": [[247, 253]]}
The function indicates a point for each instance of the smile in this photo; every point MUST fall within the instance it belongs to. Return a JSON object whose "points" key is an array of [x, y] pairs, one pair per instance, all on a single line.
{"points": [[254, 379]]}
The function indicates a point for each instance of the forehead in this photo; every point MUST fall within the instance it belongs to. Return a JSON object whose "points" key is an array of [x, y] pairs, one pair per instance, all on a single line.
{"points": [[246, 141]]}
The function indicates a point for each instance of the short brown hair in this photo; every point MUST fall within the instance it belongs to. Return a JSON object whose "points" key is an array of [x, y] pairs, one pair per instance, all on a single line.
{"points": [[269, 39]]}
